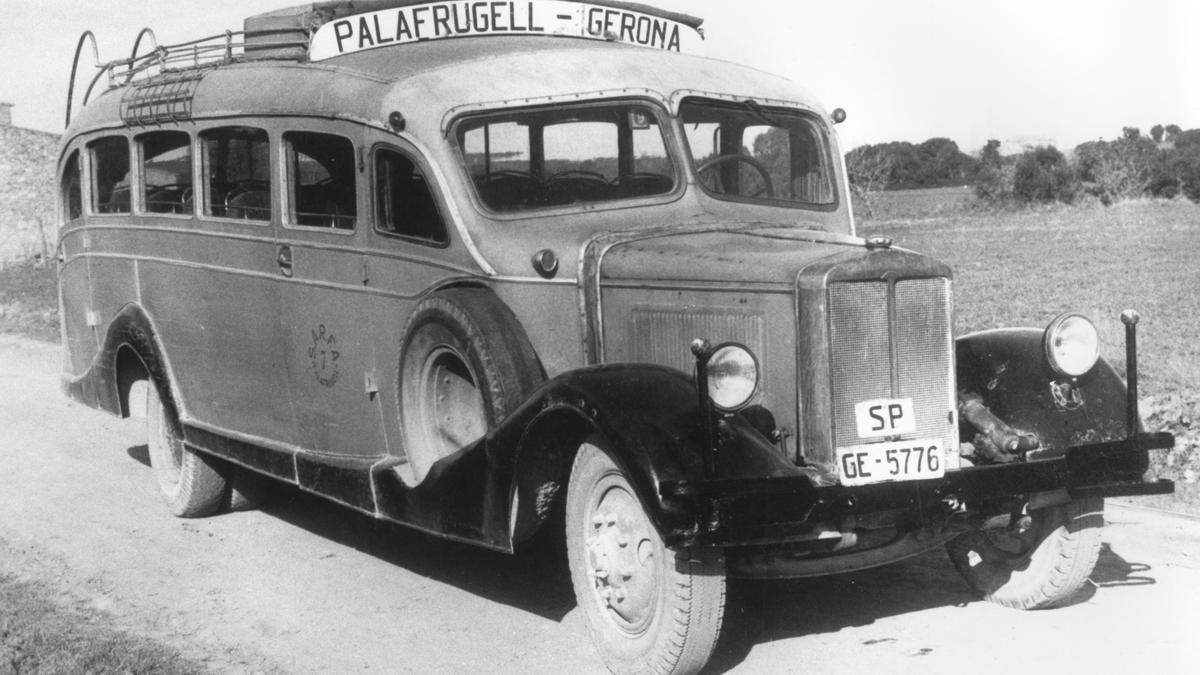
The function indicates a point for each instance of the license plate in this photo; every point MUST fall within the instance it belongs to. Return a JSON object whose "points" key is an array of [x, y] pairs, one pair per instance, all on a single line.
{"points": [[892, 461], [885, 417]]}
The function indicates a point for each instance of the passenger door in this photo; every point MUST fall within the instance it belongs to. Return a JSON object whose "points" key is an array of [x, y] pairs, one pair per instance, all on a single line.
{"points": [[327, 302]]}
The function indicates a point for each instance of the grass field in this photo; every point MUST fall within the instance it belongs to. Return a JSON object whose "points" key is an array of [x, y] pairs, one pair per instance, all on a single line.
{"points": [[39, 634]]}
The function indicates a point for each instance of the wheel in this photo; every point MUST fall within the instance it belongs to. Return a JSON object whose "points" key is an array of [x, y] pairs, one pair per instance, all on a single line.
{"points": [[711, 164], [649, 608], [465, 364], [1039, 562], [193, 484]]}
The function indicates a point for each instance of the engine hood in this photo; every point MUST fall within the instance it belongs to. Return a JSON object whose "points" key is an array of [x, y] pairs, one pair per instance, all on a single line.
{"points": [[746, 257], [725, 253]]}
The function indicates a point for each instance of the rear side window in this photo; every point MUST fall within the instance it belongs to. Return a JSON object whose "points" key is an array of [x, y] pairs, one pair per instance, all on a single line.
{"points": [[237, 163], [404, 202], [71, 188], [110, 174], [166, 172], [321, 173]]}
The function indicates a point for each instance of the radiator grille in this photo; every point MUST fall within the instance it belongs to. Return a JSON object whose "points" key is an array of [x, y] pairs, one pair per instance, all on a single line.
{"points": [[662, 336], [865, 337]]}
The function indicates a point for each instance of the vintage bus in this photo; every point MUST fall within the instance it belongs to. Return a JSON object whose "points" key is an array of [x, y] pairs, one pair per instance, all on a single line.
{"points": [[484, 269]]}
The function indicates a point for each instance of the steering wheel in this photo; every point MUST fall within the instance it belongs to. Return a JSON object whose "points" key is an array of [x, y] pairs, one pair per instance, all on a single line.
{"points": [[768, 187]]}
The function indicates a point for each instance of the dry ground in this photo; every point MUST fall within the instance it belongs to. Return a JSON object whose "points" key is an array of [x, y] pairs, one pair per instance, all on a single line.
{"points": [[303, 586]]}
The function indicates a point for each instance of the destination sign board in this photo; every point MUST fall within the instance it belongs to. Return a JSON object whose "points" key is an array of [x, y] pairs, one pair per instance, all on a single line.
{"points": [[455, 19]]}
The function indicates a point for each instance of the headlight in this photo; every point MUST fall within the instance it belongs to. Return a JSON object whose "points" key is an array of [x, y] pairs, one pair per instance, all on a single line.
{"points": [[1072, 345], [732, 376]]}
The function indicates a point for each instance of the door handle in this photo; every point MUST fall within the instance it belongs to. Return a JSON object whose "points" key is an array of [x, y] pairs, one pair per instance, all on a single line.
{"points": [[285, 260]]}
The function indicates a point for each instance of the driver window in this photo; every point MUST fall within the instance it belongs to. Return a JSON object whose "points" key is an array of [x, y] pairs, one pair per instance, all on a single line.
{"points": [[237, 164], [166, 172]]}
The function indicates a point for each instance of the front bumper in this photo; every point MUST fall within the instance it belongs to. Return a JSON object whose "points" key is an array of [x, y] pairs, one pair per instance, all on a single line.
{"points": [[763, 511]]}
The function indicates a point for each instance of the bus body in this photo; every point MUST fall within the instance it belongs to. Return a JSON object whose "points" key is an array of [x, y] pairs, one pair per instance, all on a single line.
{"points": [[477, 268]]}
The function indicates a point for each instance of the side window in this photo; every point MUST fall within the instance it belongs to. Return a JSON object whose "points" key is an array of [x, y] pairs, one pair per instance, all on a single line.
{"points": [[110, 174], [71, 188], [321, 172], [237, 168], [404, 202], [166, 172]]}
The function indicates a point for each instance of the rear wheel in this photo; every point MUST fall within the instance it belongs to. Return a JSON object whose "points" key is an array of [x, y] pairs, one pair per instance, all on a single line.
{"points": [[193, 484], [1041, 560], [649, 608]]}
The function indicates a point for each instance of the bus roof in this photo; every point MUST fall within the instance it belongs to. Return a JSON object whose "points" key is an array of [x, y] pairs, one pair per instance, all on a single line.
{"points": [[429, 81]]}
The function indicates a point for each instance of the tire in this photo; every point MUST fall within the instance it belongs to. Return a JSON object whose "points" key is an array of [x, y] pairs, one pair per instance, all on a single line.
{"points": [[1035, 567], [194, 484], [465, 365], [649, 608]]}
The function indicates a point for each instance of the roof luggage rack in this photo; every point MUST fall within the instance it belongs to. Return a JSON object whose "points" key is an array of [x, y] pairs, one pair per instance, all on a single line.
{"points": [[209, 51], [285, 34]]}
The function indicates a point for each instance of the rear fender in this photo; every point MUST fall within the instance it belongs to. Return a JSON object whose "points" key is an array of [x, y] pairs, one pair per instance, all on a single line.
{"points": [[1009, 370], [129, 354]]}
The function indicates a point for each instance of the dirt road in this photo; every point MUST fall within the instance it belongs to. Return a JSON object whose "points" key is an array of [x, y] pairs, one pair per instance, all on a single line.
{"points": [[304, 587]]}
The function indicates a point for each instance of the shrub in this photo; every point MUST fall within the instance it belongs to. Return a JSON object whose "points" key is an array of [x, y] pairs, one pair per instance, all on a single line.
{"points": [[993, 177], [1043, 175], [1121, 169], [1186, 166]]}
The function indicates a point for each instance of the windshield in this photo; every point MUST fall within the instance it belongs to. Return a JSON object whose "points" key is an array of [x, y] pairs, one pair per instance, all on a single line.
{"points": [[561, 156], [748, 152]]}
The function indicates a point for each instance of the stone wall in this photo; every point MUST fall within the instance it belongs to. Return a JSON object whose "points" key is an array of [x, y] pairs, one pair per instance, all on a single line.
{"points": [[27, 192]]}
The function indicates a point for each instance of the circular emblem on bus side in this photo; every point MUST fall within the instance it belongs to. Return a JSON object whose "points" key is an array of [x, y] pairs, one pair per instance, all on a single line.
{"points": [[324, 356]]}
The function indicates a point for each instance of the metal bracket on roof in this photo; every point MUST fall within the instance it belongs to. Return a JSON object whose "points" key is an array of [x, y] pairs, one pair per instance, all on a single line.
{"points": [[167, 98]]}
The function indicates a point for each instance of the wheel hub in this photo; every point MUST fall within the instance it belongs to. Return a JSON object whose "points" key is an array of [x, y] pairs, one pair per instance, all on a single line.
{"points": [[622, 560], [453, 408]]}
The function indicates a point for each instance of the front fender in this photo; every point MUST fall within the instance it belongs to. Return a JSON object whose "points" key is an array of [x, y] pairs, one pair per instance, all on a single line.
{"points": [[647, 417], [1008, 369]]}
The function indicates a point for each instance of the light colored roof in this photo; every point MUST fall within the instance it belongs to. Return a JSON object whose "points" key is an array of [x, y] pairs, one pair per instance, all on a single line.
{"points": [[428, 81]]}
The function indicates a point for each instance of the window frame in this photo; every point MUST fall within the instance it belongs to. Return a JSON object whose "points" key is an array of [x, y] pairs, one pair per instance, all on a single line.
{"points": [[435, 192], [204, 181], [91, 207], [64, 200], [825, 153], [140, 205], [662, 118], [287, 181]]}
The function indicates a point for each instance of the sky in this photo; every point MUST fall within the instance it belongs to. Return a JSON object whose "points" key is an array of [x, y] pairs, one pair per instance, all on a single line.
{"points": [[1036, 71]]}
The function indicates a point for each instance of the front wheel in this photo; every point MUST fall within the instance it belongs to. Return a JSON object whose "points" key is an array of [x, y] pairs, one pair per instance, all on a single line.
{"points": [[649, 608], [1039, 561]]}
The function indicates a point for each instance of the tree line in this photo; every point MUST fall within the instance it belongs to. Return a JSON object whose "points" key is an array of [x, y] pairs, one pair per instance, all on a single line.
{"points": [[1166, 163]]}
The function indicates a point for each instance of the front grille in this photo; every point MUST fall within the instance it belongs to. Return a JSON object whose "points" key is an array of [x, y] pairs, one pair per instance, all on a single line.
{"points": [[892, 341]]}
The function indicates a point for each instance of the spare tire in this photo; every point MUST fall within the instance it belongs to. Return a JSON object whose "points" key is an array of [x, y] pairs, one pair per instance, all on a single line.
{"points": [[465, 365]]}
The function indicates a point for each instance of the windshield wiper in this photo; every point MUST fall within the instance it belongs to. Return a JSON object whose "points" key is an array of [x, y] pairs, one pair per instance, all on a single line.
{"points": [[761, 113]]}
